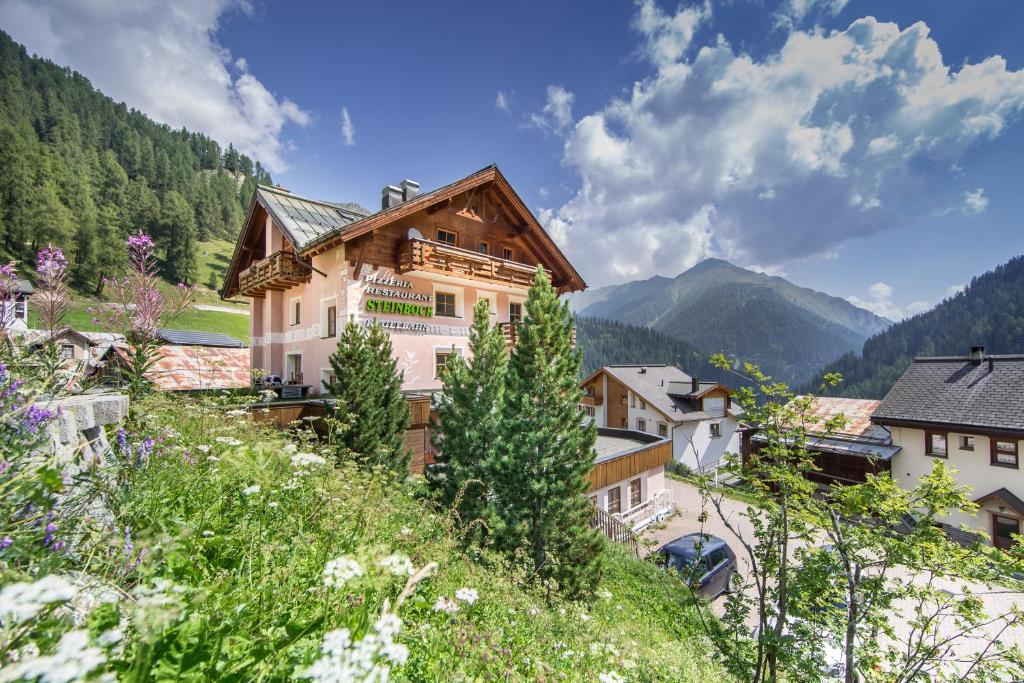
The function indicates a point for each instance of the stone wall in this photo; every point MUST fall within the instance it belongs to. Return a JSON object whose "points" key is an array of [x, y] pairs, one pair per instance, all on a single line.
{"points": [[77, 433]]}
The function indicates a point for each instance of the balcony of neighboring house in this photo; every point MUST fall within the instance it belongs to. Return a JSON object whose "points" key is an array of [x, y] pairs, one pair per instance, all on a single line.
{"points": [[279, 271], [423, 255], [595, 400]]}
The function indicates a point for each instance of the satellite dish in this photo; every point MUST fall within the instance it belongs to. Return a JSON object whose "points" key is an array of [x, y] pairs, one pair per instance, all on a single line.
{"points": [[415, 234]]}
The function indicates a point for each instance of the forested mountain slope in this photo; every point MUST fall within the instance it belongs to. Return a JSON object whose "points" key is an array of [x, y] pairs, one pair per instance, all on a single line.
{"points": [[82, 171], [990, 311], [789, 331], [608, 342]]}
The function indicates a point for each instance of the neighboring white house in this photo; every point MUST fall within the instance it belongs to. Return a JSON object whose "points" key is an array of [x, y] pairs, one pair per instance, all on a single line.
{"points": [[699, 417], [14, 311], [967, 411]]}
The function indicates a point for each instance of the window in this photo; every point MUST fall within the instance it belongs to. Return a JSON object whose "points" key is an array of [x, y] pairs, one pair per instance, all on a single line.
{"points": [[444, 304], [484, 248], [714, 406], [641, 424], [67, 351], [588, 410], [492, 301], [634, 493], [643, 405], [447, 237], [293, 367], [716, 557], [441, 359], [507, 254], [21, 308], [614, 501], [296, 311], [1004, 453], [662, 430], [967, 443], [935, 444], [622, 399], [632, 400], [515, 312], [332, 321], [623, 423], [715, 428]]}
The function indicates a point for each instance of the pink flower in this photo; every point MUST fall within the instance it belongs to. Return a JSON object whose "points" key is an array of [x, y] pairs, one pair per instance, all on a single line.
{"points": [[50, 262], [140, 241]]}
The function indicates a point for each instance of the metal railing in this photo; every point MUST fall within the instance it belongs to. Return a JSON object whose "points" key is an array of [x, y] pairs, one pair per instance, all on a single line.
{"points": [[614, 529]]}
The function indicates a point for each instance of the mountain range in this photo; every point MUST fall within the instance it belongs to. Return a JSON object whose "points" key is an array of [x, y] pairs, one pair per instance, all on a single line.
{"points": [[789, 331], [988, 312]]}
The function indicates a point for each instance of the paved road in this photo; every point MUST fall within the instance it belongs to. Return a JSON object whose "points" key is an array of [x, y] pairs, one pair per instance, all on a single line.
{"points": [[689, 504]]}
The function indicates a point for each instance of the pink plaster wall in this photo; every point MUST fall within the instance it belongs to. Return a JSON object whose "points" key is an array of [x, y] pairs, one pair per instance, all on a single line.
{"points": [[273, 336]]}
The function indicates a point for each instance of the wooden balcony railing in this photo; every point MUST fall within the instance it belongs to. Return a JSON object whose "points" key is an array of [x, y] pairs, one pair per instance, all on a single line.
{"points": [[279, 271], [433, 257], [511, 332], [594, 400]]}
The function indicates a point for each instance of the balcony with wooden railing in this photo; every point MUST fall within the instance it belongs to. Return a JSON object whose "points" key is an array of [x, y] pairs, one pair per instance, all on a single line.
{"points": [[511, 332], [433, 257], [591, 399], [277, 272]]}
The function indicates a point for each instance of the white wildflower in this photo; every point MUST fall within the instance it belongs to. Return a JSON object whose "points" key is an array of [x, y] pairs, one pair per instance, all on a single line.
{"points": [[251, 490], [290, 448], [73, 660], [605, 594], [22, 601], [467, 595], [229, 440], [341, 570], [584, 617], [561, 611], [405, 531], [446, 605], [307, 460], [610, 677], [272, 504], [534, 611], [203, 448], [368, 659], [397, 564], [207, 533], [237, 412]]}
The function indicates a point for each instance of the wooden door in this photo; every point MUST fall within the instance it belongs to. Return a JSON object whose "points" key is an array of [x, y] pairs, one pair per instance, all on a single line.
{"points": [[1002, 528]]}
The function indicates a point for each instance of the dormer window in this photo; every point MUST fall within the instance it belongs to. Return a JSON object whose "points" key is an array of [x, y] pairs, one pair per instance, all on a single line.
{"points": [[447, 237]]}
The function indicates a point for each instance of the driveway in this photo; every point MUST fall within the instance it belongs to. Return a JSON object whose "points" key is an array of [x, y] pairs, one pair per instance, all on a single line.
{"points": [[689, 505]]}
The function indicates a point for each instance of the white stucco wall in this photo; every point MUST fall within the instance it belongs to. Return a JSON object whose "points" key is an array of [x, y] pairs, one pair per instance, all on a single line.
{"points": [[973, 469], [693, 445]]}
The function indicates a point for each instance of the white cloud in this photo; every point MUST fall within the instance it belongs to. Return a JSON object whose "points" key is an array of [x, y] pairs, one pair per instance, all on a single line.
{"points": [[667, 37], [557, 112], [953, 290], [879, 301], [796, 11], [975, 201], [163, 59], [503, 101], [348, 131], [834, 129]]}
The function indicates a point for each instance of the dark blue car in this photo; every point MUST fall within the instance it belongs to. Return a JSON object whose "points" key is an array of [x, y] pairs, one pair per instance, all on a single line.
{"points": [[704, 561]]}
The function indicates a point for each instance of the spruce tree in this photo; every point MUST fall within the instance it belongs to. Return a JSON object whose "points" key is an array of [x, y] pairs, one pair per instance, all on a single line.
{"points": [[546, 452], [369, 405], [468, 424]]}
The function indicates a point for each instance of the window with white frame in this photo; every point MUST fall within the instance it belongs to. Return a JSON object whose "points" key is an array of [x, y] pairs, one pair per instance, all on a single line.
{"points": [[442, 356], [634, 492], [1004, 452], [448, 301], [641, 424], [662, 430], [715, 429], [329, 317], [293, 368], [714, 406], [67, 351], [614, 501]]}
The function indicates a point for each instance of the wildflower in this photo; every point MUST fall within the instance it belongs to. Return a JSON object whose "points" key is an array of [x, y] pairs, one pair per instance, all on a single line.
{"points": [[368, 659], [145, 449], [405, 532], [122, 442], [604, 593], [290, 448], [22, 601], [229, 440], [203, 448], [73, 660], [207, 533], [6, 542], [237, 412], [35, 417], [610, 677], [467, 595], [307, 459], [446, 605], [534, 611], [584, 617], [397, 564], [272, 504], [341, 570], [251, 490]]}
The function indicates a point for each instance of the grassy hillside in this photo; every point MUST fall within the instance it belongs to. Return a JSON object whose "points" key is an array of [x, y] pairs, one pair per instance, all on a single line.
{"points": [[990, 312], [242, 527], [213, 257], [789, 331]]}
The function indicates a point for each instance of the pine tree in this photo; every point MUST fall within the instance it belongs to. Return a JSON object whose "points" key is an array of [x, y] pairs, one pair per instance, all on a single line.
{"points": [[369, 405], [465, 435], [546, 452]]}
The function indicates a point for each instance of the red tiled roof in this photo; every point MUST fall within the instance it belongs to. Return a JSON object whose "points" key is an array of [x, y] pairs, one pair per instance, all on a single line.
{"points": [[857, 412], [187, 368]]}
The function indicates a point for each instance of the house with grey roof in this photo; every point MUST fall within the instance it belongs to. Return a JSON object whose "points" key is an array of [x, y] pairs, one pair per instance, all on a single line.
{"points": [[14, 308], [967, 412], [699, 417]]}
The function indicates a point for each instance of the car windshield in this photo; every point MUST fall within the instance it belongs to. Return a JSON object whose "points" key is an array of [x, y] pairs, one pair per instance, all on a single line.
{"points": [[684, 563]]}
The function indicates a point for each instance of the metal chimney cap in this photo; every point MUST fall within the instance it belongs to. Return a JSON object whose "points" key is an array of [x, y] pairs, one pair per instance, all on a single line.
{"points": [[977, 354]]}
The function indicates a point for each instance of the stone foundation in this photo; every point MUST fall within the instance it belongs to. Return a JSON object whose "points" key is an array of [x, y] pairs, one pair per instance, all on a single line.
{"points": [[77, 433]]}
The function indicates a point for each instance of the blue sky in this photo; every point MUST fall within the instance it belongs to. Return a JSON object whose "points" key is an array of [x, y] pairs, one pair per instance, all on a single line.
{"points": [[867, 149]]}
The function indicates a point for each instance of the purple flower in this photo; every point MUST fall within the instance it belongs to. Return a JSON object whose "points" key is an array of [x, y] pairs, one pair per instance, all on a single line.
{"points": [[122, 442], [145, 449], [35, 417], [128, 545], [6, 542], [50, 262], [4, 466], [140, 241]]}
